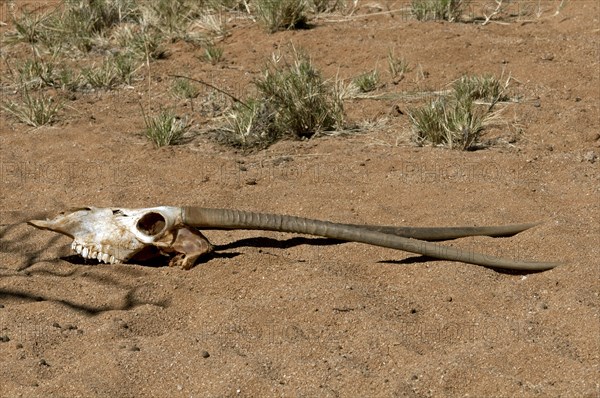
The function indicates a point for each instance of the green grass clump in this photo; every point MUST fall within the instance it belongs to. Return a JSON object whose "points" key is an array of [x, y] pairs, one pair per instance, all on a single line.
{"points": [[486, 87], [447, 10], [324, 6], [113, 71], [30, 27], [165, 128], [303, 101], [251, 125], [212, 53], [367, 81], [448, 122], [35, 73], [182, 88], [85, 24], [33, 110], [141, 42], [293, 101], [278, 15], [456, 120], [397, 66]]}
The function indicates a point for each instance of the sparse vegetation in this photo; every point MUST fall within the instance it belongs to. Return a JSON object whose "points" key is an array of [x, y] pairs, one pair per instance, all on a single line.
{"points": [[35, 73], [112, 72], [68, 79], [367, 81], [213, 23], [448, 10], [293, 101], [292, 98], [397, 66], [486, 87], [448, 122], [85, 24], [322, 6], [212, 53], [304, 102], [251, 125], [171, 17], [165, 128], [144, 42], [281, 14], [184, 89], [29, 27], [34, 110], [456, 121]]}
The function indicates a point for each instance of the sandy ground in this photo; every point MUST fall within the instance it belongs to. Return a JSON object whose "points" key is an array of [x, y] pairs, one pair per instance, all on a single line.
{"points": [[273, 314]]}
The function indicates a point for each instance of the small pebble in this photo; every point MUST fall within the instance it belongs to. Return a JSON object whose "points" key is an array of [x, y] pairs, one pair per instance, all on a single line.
{"points": [[205, 354], [42, 362], [56, 325], [590, 157], [4, 339], [591, 137], [548, 57]]}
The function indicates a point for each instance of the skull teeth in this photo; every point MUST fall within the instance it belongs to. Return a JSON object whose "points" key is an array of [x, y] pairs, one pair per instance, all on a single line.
{"points": [[92, 253]]}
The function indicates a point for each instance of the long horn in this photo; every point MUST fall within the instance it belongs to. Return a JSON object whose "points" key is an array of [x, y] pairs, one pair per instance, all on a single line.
{"points": [[200, 217], [437, 233], [447, 233]]}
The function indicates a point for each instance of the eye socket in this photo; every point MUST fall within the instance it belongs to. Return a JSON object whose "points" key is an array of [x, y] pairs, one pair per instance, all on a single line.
{"points": [[151, 223]]}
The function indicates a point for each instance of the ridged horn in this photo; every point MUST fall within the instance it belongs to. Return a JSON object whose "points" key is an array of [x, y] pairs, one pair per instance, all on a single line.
{"points": [[207, 218]]}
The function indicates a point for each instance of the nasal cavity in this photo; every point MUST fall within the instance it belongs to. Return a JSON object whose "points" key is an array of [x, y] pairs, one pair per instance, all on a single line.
{"points": [[151, 223]]}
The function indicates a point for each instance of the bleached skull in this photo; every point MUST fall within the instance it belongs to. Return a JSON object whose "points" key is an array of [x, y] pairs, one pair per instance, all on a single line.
{"points": [[115, 235]]}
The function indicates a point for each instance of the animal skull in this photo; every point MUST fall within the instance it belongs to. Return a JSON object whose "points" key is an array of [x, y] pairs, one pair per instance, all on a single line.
{"points": [[115, 235]]}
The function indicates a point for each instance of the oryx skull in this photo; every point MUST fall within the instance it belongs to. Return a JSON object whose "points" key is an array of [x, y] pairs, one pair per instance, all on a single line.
{"points": [[115, 235]]}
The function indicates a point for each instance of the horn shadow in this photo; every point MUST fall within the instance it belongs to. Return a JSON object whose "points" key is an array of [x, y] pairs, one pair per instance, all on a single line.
{"points": [[264, 242]]}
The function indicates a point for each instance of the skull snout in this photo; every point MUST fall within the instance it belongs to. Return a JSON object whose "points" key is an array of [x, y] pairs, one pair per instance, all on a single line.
{"points": [[152, 224]]}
